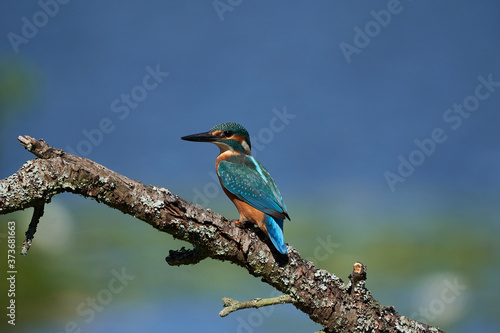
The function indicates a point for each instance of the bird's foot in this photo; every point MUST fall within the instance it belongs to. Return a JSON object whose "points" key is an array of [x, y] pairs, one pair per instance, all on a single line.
{"points": [[239, 223]]}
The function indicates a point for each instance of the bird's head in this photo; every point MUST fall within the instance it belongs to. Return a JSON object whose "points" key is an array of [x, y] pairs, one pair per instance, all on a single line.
{"points": [[227, 136]]}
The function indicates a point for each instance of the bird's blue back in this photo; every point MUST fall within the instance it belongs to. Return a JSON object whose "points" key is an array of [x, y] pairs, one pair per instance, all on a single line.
{"points": [[249, 181], [246, 178]]}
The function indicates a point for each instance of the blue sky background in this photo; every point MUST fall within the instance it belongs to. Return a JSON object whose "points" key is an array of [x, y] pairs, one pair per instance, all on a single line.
{"points": [[327, 126]]}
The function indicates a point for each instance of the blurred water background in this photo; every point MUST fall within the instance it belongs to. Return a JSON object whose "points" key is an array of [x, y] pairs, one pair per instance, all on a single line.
{"points": [[378, 120]]}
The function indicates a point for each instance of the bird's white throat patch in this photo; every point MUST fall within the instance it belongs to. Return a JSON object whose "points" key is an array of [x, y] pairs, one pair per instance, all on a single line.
{"points": [[246, 146], [223, 147]]}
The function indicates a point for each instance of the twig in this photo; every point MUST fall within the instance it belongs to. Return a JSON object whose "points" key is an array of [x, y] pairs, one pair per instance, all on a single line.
{"points": [[231, 305], [185, 256], [30, 233]]}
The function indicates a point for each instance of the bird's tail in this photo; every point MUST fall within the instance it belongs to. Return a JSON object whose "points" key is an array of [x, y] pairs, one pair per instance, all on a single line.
{"points": [[275, 231]]}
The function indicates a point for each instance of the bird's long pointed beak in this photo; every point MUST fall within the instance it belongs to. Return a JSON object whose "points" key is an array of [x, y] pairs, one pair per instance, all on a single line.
{"points": [[201, 137]]}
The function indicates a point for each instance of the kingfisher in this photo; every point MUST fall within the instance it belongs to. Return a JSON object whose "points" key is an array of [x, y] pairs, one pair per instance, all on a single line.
{"points": [[246, 182]]}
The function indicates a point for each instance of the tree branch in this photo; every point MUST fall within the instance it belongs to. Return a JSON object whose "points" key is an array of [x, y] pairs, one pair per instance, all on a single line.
{"points": [[231, 305], [318, 293], [30, 233]]}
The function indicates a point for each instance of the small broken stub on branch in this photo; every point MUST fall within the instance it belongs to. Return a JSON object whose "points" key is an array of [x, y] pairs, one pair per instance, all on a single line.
{"points": [[359, 269], [358, 277]]}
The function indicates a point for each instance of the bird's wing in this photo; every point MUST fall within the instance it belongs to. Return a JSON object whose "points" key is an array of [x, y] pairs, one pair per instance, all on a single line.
{"points": [[249, 181]]}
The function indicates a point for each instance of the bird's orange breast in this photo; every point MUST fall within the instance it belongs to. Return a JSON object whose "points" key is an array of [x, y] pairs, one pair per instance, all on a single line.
{"points": [[247, 212]]}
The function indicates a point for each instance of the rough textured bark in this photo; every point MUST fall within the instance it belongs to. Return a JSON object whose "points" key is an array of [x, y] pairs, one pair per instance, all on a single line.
{"points": [[323, 296]]}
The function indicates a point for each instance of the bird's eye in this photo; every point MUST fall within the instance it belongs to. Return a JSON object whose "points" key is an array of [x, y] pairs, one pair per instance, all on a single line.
{"points": [[227, 134]]}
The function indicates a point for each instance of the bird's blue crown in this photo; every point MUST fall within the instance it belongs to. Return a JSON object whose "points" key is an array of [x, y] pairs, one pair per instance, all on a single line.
{"points": [[230, 131]]}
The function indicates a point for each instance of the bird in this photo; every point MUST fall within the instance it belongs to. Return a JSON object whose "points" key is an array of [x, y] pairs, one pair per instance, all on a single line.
{"points": [[246, 182]]}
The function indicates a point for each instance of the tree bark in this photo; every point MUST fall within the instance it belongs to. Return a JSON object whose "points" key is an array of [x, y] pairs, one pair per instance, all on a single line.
{"points": [[323, 296]]}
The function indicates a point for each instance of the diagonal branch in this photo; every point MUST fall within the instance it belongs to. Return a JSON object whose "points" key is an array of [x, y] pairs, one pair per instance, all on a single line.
{"points": [[318, 293]]}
